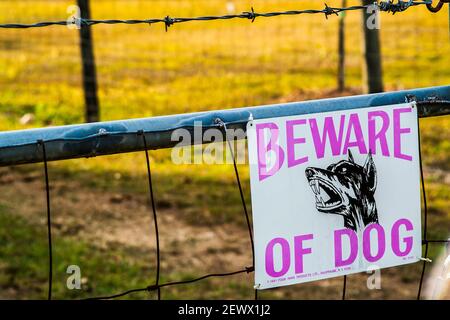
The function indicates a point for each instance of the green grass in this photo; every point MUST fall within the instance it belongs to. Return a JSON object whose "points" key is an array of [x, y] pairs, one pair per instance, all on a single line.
{"points": [[435, 134], [24, 268], [200, 66]]}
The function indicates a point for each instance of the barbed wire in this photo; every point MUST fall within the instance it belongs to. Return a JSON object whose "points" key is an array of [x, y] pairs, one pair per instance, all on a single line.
{"points": [[385, 6]]}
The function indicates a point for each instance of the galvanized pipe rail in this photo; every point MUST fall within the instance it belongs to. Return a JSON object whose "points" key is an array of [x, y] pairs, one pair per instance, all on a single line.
{"points": [[113, 137]]}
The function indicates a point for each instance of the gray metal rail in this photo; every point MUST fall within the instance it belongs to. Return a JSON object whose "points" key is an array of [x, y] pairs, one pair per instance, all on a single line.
{"points": [[102, 138]]}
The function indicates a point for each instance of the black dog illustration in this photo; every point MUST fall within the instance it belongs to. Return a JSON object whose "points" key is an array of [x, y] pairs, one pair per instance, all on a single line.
{"points": [[347, 189]]}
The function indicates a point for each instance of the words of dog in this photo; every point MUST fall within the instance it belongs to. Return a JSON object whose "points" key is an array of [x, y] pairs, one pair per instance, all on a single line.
{"points": [[400, 245]]}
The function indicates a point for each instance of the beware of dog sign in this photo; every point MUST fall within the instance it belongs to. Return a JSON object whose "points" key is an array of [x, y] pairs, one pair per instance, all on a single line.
{"points": [[334, 193]]}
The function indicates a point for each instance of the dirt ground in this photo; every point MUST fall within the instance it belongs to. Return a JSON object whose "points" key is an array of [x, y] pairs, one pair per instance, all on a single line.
{"points": [[113, 219]]}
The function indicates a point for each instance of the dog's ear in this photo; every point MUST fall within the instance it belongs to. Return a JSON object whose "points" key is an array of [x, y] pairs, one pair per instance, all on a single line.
{"points": [[350, 157], [370, 173]]}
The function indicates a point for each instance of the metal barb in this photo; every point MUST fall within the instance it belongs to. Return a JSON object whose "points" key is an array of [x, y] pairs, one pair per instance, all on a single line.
{"points": [[328, 11], [410, 98], [250, 14], [219, 122], [168, 21]]}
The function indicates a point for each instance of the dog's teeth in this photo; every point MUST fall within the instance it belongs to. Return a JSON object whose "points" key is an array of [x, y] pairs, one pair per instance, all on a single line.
{"points": [[319, 200], [313, 186]]}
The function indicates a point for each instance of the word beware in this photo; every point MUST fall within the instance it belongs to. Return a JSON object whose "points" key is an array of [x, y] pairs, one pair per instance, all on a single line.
{"points": [[335, 136]]}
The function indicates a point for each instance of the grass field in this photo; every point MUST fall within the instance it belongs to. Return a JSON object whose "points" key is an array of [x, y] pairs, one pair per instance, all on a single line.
{"points": [[101, 219]]}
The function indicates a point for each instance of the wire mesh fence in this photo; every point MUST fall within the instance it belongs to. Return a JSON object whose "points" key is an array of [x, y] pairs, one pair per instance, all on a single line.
{"points": [[190, 65], [157, 285]]}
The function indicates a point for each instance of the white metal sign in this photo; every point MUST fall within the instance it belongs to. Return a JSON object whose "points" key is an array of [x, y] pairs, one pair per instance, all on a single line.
{"points": [[334, 193]]}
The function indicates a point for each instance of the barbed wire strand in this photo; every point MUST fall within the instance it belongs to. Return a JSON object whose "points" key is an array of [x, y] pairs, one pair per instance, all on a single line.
{"points": [[41, 143], [385, 6], [155, 218]]}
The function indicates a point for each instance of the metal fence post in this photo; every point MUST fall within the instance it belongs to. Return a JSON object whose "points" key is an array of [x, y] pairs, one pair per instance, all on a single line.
{"points": [[372, 70]]}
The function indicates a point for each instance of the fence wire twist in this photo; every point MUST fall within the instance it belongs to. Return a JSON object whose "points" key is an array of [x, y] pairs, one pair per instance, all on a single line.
{"points": [[385, 6], [157, 285]]}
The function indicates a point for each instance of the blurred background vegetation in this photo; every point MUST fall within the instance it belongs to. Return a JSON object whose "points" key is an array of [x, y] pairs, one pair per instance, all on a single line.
{"points": [[101, 217]]}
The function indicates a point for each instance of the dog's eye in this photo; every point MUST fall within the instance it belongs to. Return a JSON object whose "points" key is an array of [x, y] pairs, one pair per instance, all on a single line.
{"points": [[343, 170]]}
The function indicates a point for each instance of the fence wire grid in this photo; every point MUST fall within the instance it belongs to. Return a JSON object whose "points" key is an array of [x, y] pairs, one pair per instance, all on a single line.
{"points": [[157, 286]]}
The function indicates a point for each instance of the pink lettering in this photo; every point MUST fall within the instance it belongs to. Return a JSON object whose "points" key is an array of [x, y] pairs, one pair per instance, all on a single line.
{"points": [[395, 238], [380, 136], [286, 257], [353, 241], [291, 142], [329, 131], [300, 251], [381, 247], [398, 131], [264, 148], [354, 126]]}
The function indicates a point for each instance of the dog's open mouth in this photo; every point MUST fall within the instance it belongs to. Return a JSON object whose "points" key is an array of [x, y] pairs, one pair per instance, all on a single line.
{"points": [[327, 197]]}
